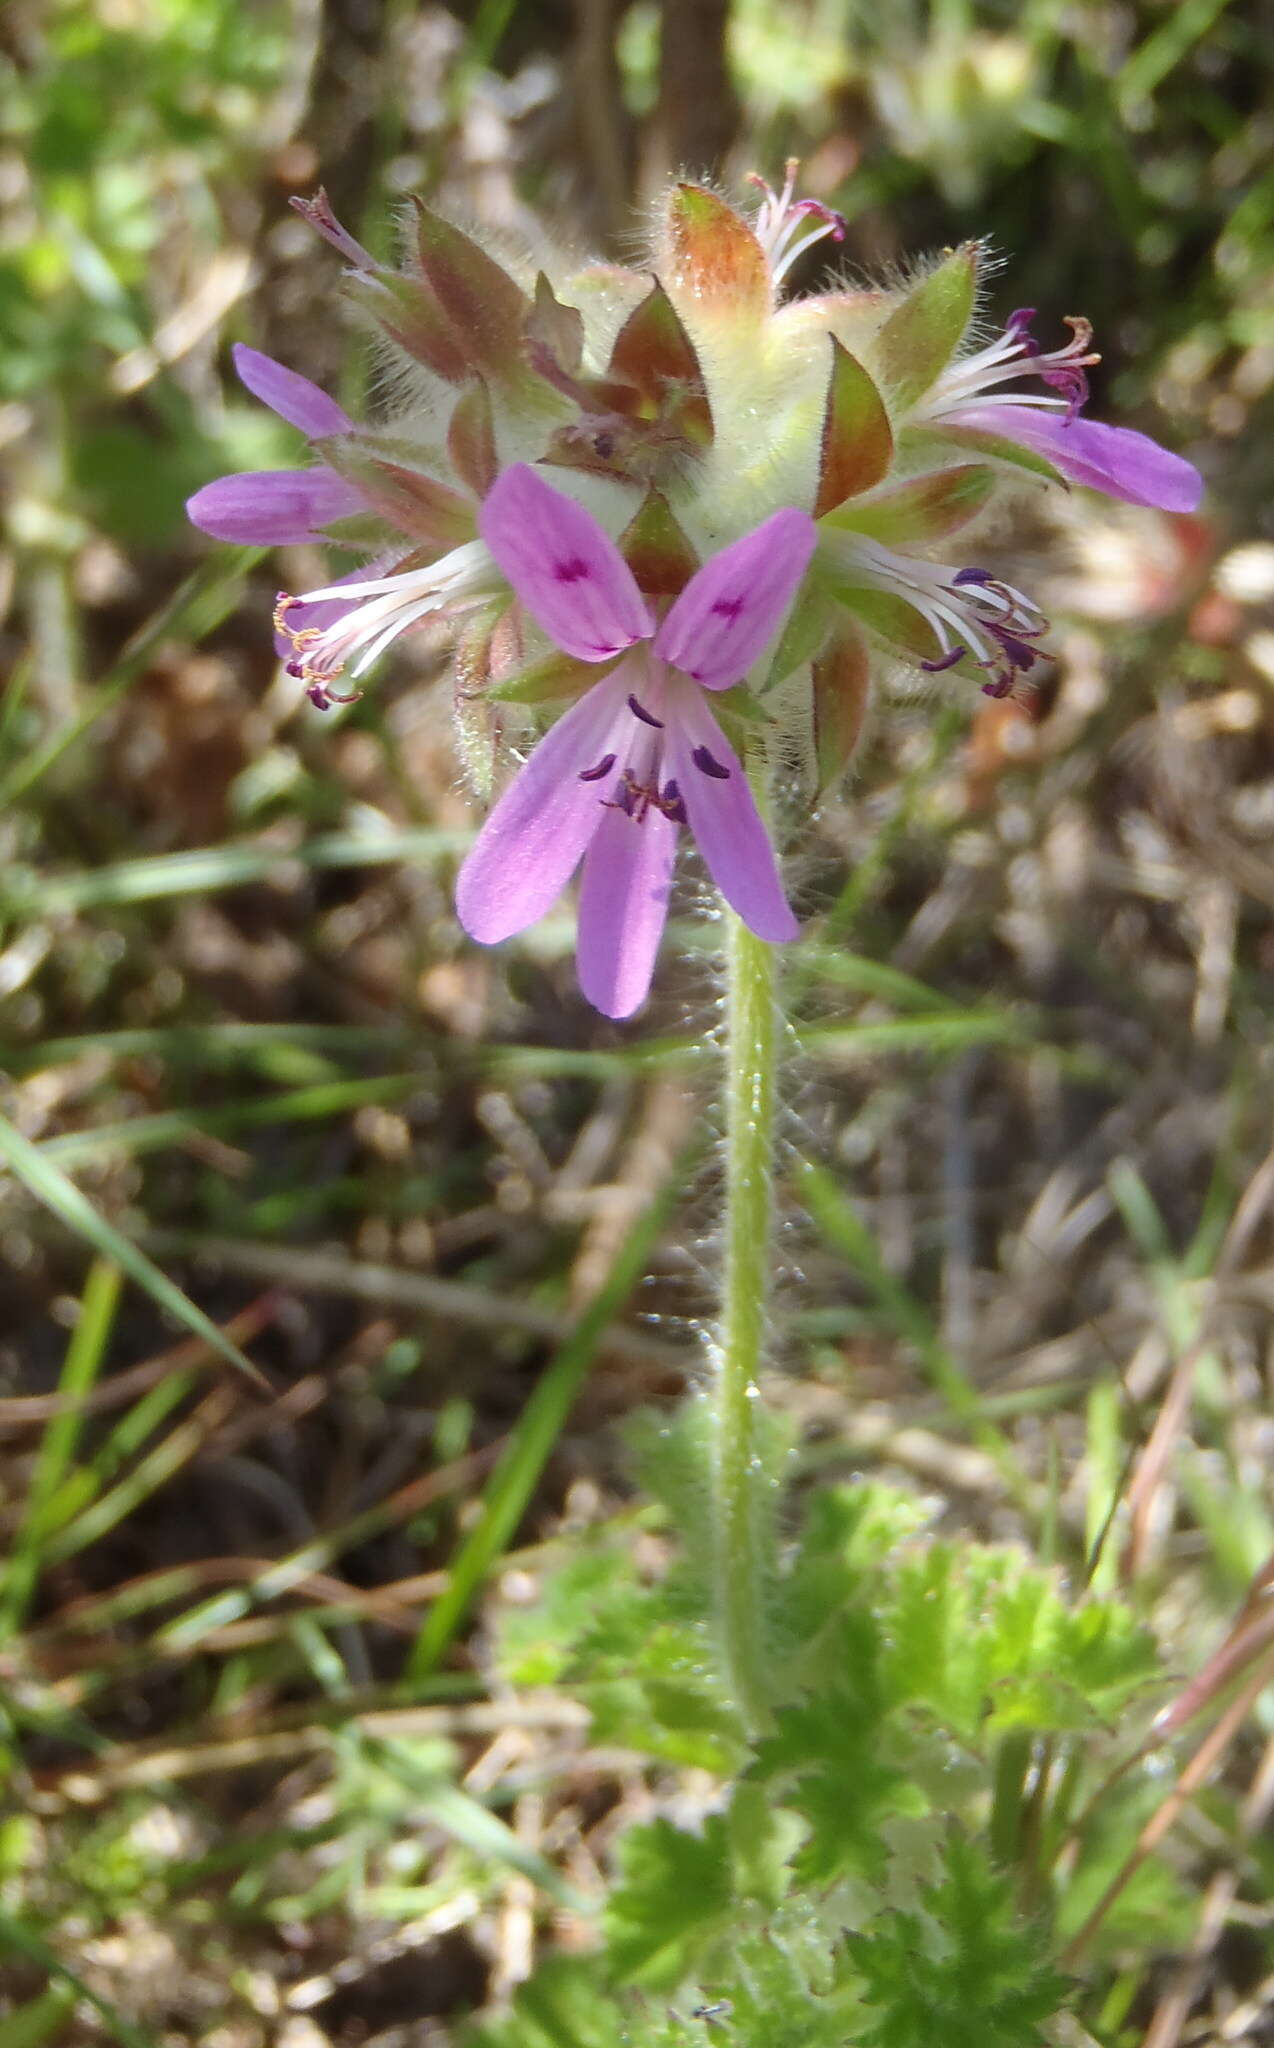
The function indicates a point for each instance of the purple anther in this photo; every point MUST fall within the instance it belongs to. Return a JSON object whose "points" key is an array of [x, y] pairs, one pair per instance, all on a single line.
{"points": [[671, 805]]}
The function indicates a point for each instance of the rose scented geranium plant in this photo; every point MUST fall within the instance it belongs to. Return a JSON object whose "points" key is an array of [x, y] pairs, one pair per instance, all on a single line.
{"points": [[680, 528]]}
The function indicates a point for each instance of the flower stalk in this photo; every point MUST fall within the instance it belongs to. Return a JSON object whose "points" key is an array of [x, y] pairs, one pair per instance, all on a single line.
{"points": [[739, 1474]]}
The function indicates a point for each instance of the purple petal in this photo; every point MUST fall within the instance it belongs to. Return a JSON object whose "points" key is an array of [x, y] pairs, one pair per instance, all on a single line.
{"points": [[1115, 460], [733, 605], [273, 507], [723, 816], [294, 398], [530, 845], [568, 573], [622, 908]]}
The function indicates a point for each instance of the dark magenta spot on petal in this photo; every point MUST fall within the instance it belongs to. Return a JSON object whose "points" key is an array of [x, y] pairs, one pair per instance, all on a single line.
{"points": [[572, 571], [707, 766], [728, 607]]}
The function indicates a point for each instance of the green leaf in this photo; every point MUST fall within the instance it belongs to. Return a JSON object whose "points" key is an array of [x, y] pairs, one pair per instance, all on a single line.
{"points": [[966, 1973], [675, 1890], [921, 335], [834, 1760], [564, 2005]]}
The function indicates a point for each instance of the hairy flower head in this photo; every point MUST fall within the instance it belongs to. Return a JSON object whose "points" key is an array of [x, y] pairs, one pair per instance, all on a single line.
{"points": [[672, 419]]}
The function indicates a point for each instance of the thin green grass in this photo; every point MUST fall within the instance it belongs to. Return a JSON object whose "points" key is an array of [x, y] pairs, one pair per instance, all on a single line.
{"points": [[51, 1188], [45, 1505]]}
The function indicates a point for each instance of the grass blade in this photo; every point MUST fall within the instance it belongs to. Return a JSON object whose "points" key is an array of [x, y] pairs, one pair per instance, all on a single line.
{"points": [[19, 1940], [63, 1199], [515, 1477], [81, 1369]]}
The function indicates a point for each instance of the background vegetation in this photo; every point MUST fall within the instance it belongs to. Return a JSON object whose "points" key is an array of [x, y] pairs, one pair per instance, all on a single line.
{"points": [[331, 1705]]}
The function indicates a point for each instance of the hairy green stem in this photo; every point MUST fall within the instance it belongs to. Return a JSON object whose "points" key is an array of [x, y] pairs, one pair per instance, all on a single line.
{"points": [[740, 1481]]}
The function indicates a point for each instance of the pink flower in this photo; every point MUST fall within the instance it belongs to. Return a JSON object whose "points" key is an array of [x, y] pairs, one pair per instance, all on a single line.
{"points": [[1114, 460], [640, 754]]}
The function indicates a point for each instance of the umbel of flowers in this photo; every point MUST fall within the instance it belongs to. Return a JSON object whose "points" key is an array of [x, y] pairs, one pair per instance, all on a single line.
{"points": [[636, 493]]}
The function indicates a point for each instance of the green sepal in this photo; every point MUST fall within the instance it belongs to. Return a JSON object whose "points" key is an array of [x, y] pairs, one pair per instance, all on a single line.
{"points": [[921, 335], [715, 254], [477, 725], [407, 311], [362, 530], [890, 616], [474, 653], [387, 472], [939, 437], [654, 354], [553, 338], [471, 440], [739, 703], [809, 621], [841, 693], [656, 549], [857, 443], [924, 508], [550, 680], [486, 309]]}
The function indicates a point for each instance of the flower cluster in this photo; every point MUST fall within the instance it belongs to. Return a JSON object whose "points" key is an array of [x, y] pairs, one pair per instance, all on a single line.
{"points": [[625, 489]]}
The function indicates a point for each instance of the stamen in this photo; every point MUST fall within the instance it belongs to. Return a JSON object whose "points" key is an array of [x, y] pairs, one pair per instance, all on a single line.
{"points": [[636, 798], [647, 717], [970, 612], [782, 223], [603, 767], [320, 696], [706, 765], [377, 609], [1016, 353]]}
